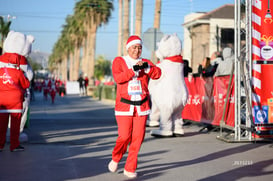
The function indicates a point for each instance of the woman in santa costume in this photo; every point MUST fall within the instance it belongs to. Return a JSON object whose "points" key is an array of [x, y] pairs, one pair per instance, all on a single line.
{"points": [[131, 73]]}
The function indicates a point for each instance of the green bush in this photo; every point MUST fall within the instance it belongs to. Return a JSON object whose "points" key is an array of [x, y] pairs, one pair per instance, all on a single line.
{"points": [[105, 92]]}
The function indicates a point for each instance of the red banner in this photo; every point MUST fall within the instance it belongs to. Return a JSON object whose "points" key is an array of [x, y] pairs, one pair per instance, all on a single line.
{"points": [[206, 100], [220, 93], [193, 109]]}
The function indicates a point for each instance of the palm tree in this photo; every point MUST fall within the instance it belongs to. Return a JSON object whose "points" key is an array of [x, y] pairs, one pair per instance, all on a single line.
{"points": [[157, 14], [58, 55], [68, 32], [92, 14], [4, 29], [120, 16], [64, 50], [156, 23], [80, 32], [125, 30], [139, 12], [76, 34]]}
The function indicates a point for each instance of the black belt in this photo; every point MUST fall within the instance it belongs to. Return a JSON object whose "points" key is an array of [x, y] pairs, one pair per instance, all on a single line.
{"points": [[135, 103]]}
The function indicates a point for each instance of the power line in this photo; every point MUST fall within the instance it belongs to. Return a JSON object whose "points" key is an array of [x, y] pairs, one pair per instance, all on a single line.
{"points": [[39, 31], [43, 17]]}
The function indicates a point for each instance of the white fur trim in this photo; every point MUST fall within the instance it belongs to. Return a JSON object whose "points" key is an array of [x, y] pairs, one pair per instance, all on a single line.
{"points": [[133, 43], [130, 113], [125, 113]]}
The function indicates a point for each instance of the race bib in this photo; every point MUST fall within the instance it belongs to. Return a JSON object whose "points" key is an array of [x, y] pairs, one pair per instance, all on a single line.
{"points": [[134, 87]]}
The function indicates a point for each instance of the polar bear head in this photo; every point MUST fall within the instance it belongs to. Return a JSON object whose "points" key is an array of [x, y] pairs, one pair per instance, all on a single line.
{"points": [[19, 43], [169, 45]]}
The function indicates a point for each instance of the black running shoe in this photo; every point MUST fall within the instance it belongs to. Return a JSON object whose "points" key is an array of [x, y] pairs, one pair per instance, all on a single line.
{"points": [[19, 148]]}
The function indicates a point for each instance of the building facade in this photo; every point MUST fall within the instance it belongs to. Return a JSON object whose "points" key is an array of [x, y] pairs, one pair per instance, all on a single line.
{"points": [[206, 33]]}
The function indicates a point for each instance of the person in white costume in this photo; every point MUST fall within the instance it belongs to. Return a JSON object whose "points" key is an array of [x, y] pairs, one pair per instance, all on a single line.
{"points": [[169, 94], [21, 44]]}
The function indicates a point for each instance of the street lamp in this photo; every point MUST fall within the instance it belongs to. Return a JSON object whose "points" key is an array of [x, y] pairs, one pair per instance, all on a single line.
{"points": [[9, 17]]}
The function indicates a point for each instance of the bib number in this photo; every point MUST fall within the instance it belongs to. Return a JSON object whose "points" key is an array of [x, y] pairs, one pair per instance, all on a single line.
{"points": [[134, 87]]}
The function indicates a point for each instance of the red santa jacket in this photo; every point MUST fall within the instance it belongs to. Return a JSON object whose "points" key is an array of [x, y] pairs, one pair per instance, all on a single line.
{"points": [[22, 62], [12, 88], [123, 73]]}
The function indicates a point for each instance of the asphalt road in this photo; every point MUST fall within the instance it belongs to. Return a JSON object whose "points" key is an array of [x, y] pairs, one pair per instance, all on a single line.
{"points": [[73, 139]]}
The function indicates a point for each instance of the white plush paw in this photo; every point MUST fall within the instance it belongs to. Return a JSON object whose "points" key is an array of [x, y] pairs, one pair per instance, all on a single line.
{"points": [[184, 100], [152, 123], [178, 133], [161, 133]]}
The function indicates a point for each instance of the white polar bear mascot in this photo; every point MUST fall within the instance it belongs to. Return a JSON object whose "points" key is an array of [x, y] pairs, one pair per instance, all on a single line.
{"points": [[169, 94], [21, 44]]}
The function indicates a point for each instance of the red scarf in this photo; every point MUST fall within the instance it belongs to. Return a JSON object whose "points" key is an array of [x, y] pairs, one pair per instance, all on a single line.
{"points": [[13, 58], [176, 58]]}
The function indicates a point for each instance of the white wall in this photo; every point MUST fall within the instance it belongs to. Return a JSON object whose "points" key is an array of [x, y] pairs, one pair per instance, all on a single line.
{"points": [[187, 43]]}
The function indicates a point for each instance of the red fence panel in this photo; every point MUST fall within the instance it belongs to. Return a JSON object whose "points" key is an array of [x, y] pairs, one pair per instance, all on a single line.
{"points": [[220, 93], [206, 100], [193, 109]]}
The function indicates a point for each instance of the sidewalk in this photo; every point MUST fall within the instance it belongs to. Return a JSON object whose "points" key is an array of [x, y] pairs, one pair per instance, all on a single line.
{"points": [[73, 139]]}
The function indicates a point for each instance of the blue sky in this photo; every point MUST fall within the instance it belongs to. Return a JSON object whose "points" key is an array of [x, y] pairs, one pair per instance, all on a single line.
{"points": [[44, 20]]}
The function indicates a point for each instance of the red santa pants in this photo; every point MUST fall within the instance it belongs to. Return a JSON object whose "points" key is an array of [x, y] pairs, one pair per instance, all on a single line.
{"points": [[15, 122], [131, 130]]}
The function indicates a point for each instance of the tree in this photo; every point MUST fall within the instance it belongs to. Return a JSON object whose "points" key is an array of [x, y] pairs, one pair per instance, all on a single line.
{"points": [[92, 14], [58, 59], [4, 29], [80, 33], [120, 16], [156, 23], [157, 14], [124, 23], [102, 67], [125, 30], [139, 12]]}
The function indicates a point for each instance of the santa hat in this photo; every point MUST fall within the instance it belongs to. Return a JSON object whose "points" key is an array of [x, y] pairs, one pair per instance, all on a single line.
{"points": [[132, 40]]}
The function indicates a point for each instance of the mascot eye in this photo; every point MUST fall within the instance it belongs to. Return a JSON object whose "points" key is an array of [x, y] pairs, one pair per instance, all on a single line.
{"points": [[167, 37]]}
